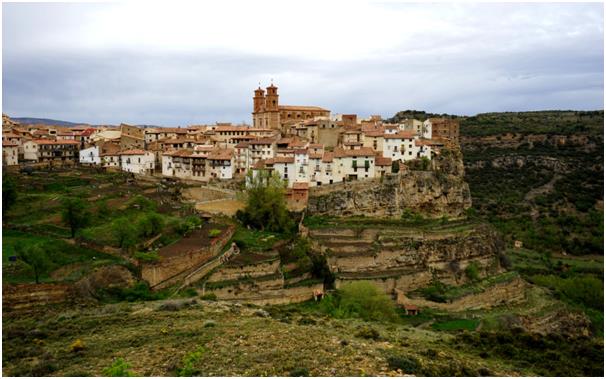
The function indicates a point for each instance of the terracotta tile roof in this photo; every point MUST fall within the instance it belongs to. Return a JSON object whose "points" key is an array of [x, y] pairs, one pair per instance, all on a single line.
{"points": [[259, 165], [301, 151], [328, 156], [361, 152], [176, 140], [56, 142], [133, 152], [352, 143], [232, 128], [221, 154], [281, 160], [380, 161], [9, 144], [316, 155], [315, 146], [262, 141], [242, 145], [404, 134], [300, 108], [11, 135], [424, 142]]}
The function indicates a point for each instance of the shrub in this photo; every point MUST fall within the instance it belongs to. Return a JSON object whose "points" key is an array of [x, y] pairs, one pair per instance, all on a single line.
{"points": [[77, 346], [147, 256], [369, 333], [188, 362], [299, 371], [407, 364], [363, 300], [119, 367], [209, 324], [214, 233], [143, 203], [209, 296], [472, 271]]}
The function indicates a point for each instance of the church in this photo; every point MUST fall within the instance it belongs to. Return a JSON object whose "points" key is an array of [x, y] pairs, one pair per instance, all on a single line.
{"points": [[268, 113]]}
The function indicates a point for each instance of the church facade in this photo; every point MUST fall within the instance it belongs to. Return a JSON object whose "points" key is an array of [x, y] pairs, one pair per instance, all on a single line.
{"points": [[268, 113]]}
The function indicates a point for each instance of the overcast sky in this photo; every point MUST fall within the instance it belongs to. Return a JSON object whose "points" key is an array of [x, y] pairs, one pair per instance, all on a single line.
{"points": [[182, 63]]}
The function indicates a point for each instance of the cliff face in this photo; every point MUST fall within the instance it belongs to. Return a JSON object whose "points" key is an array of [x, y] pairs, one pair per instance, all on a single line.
{"points": [[440, 191], [408, 258]]}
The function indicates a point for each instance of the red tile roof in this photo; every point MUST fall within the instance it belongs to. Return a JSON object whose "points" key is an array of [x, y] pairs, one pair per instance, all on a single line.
{"points": [[328, 156], [404, 134], [133, 152], [363, 151], [221, 154], [380, 161], [56, 142]]}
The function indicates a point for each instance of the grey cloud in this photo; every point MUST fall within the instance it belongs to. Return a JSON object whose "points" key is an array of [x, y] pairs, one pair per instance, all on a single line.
{"points": [[504, 67]]}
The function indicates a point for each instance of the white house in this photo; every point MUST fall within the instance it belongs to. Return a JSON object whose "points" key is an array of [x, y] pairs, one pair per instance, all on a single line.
{"points": [[90, 156], [354, 164], [137, 161], [401, 146]]}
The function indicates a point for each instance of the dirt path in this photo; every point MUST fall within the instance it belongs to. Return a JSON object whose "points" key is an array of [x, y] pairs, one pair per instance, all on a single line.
{"points": [[545, 188]]}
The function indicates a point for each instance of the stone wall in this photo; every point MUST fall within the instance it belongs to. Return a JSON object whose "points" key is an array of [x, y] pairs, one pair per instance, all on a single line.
{"points": [[441, 191], [408, 258], [170, 270], [272, 296], [510, 292], [253, 270], [17, 297]]}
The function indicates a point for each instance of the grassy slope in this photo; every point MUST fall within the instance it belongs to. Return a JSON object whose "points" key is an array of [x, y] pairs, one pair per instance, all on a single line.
{"points": [[155, 342]]}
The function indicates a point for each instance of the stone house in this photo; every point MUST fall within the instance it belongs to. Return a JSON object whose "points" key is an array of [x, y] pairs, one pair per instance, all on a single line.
{"points": [[10, 153]]}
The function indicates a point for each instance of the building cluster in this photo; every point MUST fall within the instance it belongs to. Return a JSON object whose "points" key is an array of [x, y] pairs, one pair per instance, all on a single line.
{"points": [[305, 145]]}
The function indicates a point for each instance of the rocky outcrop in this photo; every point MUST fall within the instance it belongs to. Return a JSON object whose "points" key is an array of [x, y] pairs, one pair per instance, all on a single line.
{"points": [[441, 191], [408, 258]]}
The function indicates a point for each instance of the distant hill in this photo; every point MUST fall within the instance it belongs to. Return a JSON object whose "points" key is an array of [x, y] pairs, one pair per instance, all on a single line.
{"points": [[45, 121]]}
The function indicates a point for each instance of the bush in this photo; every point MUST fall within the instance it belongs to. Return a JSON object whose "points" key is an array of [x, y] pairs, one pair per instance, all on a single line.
{"points": [[299, 371], [214, 233], [209, 296], [407, 364], [119, 367], [472, 271], [77, 346], [369, 333], [142, 203], [189, 361], [360, 299], [149, 256]]}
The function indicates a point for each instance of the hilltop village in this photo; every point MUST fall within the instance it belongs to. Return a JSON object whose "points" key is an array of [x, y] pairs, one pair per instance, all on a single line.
{"points": [[307, 146]]}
